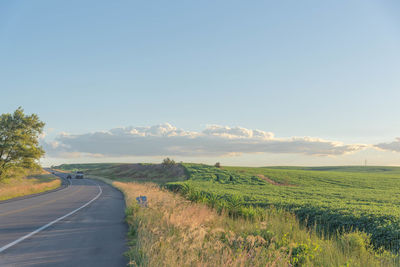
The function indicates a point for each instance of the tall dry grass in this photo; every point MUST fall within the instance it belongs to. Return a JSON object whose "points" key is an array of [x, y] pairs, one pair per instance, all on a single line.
{"points": [[173, 231], [33, 184]]}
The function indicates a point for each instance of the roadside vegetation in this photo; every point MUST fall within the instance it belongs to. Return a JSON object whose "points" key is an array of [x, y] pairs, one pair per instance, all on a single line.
{"points": [[226, 216], [19, 144], [172, 231], [32, 184], [20, 173], [325, 199]]}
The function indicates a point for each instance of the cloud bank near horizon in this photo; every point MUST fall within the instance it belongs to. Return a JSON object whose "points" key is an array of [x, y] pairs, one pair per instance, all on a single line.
{"points": [[392, 146], [167, 140]]}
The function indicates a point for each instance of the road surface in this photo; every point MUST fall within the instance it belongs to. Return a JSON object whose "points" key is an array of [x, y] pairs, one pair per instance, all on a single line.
{"points": [[80, 225]]}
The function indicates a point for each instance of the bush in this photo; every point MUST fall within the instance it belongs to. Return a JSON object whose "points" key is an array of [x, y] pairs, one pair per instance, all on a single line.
{"points": [[167, 162], [304, 253], [355, 242]]}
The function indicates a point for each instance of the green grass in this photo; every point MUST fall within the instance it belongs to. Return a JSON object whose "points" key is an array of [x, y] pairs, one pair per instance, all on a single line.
{"points": [[331, 199], [359, 169]]}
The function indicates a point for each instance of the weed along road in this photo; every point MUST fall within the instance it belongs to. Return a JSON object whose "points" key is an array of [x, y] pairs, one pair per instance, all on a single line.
{"points": [[80, 225]]}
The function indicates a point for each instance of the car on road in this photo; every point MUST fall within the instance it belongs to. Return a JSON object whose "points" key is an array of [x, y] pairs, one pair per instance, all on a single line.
{"points": [[79, 175]]}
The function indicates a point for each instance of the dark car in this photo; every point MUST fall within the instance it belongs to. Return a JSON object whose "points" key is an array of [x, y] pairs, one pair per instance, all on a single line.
{"points": [[69, 176], [79, 175]]}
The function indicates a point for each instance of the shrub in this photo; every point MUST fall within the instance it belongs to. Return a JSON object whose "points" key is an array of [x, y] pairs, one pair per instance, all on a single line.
{"points": [[355, 242], [303, 253], [167, 162]]}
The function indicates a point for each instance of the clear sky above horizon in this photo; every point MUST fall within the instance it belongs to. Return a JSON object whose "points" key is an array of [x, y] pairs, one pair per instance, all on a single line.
{"points": [[207, 72]]}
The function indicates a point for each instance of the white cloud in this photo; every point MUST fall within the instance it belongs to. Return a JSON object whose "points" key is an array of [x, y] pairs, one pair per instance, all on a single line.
{"points": [[167, 140], [392, 146], [236, 132]]}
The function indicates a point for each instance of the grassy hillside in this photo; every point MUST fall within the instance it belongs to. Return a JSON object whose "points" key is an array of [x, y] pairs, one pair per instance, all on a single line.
{"points": [[35, 183], [156, 173], [332, 198], [359, 169]]}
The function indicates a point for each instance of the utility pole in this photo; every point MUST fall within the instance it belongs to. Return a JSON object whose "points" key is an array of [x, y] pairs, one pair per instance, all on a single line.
{"points": [[365, 163]]}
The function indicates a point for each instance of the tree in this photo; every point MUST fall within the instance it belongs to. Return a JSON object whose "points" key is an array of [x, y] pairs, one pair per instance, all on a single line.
{"points": [[167, 162], [217, 165], [19, 145]]}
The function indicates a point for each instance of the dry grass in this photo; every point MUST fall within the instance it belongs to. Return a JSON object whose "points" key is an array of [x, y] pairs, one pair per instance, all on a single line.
{"points": [[28, 185], [173, 231]]}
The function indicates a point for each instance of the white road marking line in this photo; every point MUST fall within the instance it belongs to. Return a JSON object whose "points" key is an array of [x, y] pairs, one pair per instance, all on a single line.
{"points": [[51, 223]]}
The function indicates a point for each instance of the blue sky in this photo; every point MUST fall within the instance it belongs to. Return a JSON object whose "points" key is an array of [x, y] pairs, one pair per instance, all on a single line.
{"points": [[321, 69]]}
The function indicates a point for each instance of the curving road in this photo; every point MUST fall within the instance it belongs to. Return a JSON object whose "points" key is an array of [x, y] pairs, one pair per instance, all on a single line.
{"points": [[80, 225]]}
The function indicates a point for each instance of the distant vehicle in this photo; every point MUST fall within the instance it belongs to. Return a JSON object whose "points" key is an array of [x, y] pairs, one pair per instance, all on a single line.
{"points": [[69, 176], [79, 175]]}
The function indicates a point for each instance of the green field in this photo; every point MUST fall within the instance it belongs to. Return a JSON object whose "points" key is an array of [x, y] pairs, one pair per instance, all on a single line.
{"points": [[331, 199], [329, 202]]}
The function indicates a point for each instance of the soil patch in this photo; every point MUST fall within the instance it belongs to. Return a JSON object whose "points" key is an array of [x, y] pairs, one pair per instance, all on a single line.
{"points": [[261, 176]]}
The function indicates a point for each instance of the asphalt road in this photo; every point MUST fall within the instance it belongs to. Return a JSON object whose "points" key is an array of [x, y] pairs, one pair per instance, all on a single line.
{"points": [[92, 235]]}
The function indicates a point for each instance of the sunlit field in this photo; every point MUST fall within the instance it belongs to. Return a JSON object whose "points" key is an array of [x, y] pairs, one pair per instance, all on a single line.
{"points": [[331, 199], [242, 216]]}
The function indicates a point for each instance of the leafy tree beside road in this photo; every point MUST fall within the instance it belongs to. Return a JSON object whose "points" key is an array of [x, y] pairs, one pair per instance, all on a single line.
{"points": [[19, 145]]}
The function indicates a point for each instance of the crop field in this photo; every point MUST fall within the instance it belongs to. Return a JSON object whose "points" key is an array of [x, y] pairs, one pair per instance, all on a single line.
{"points": [[331, 199], [344, 209]]}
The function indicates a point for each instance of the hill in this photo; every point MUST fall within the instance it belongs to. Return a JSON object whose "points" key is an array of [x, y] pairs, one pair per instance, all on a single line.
{"points": [[157, 173]]}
